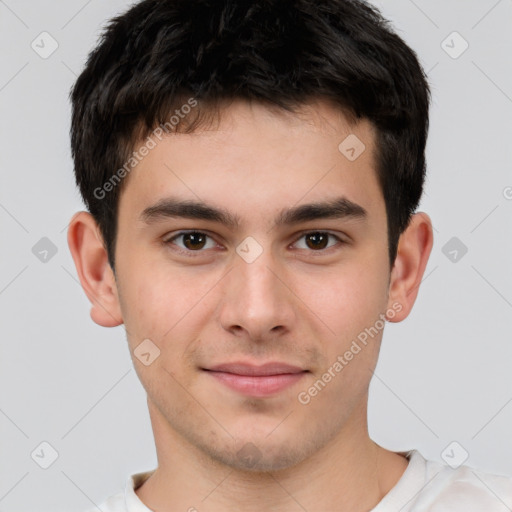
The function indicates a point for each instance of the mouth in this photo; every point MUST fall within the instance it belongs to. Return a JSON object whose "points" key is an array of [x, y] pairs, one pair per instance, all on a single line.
{"points": [[256, 380]]}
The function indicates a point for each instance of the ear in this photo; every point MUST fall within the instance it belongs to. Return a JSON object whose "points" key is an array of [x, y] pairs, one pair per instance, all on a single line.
{"points": [[413, 252], [96, 276]]}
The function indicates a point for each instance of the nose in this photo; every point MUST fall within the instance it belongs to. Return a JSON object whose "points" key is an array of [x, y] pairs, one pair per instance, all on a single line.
{"points": [[258, 301]]}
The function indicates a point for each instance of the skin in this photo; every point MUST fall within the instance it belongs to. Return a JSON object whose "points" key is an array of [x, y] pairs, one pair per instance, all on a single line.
{"points": [[295, 303]]}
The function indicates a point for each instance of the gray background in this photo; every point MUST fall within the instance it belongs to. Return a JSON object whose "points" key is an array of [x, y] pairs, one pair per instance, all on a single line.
{"points": [[444, 374]]}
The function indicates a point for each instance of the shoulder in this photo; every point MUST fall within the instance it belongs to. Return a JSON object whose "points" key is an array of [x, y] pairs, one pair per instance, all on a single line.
{"points": [[127, 500], [447, 489], [115, 503]]}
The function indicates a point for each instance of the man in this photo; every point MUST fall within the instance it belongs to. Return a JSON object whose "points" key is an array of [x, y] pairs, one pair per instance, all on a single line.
{"points": [[252, 173]]}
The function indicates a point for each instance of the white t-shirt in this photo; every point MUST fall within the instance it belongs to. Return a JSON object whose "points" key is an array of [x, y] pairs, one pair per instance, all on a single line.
{"points": [[425, 486]]}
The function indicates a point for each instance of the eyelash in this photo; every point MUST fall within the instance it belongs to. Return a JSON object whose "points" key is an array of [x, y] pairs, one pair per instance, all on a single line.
{"points": [[190, 253]]}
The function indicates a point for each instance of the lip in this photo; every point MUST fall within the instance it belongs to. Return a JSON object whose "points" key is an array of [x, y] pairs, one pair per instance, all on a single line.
{"points": [[270, 368], [256, 380]]}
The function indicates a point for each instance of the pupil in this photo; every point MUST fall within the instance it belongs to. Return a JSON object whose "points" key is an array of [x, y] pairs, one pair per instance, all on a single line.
{"points": [[192, 239], [318, 237]]}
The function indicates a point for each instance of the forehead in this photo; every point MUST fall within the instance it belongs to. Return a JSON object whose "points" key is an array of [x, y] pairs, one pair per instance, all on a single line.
{"points": [[256, 160]]}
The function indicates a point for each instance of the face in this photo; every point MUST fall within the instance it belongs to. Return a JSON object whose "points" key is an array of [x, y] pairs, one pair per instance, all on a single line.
{"points": [[267, 327]]}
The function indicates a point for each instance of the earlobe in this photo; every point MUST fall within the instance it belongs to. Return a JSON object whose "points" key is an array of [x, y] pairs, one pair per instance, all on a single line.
{"points": [[95, 274], [414, 250]]}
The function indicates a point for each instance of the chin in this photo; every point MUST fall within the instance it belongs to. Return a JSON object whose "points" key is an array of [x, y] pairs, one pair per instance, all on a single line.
{"points": [[263, 455]]}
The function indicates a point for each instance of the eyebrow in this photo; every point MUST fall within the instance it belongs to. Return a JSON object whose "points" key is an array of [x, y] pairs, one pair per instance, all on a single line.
{"points": [[170, 207]]}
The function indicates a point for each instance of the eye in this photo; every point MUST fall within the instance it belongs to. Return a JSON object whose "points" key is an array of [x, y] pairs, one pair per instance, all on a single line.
{"points": [[196, 241], [318, 240], [193, 241]]}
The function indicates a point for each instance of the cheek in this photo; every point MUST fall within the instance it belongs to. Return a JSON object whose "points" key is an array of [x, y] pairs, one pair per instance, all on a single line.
{"points": [[346, 299], [164, 311], [166, 305]]}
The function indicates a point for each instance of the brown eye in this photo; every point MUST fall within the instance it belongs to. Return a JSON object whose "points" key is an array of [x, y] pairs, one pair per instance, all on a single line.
{"points": [[194, 241], [190, 242], [317, 240]]}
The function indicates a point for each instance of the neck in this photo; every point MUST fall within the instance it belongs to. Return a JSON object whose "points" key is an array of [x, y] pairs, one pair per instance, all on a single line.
{"points": [[349, 473]]}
